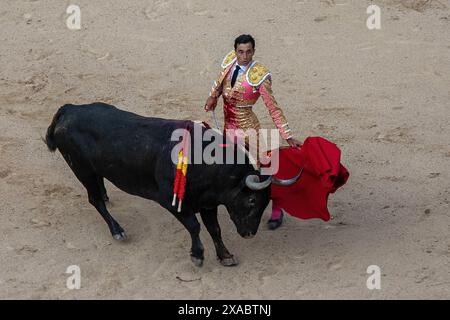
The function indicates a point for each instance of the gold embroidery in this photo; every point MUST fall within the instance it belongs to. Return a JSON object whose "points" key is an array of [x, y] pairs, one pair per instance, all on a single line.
{"points": [[257, 74], [246, 119], [229, 59]]}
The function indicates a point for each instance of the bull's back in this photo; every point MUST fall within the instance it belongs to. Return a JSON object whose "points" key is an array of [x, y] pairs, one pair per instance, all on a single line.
{"points": [[121, 146]]}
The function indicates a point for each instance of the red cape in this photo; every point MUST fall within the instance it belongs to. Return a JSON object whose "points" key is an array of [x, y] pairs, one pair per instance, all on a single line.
{"points": [[322, 174]]}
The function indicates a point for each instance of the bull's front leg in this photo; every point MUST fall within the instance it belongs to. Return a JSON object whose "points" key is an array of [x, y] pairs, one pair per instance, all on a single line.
{"points": [[209, 217], [191, 223]]}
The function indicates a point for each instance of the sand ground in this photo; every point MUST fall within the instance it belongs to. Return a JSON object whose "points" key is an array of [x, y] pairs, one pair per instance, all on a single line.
{"points": [[381, 95]]}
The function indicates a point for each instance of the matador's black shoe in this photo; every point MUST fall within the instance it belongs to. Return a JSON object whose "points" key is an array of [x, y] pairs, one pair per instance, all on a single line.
{"points": [[275, 223]]}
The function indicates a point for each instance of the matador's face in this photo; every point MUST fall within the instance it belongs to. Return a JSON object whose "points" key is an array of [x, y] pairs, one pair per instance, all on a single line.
{"points": [[244, 53]]}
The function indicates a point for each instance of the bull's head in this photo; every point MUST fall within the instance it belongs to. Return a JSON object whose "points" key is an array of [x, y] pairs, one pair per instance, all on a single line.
{"points": [[249, 200]]}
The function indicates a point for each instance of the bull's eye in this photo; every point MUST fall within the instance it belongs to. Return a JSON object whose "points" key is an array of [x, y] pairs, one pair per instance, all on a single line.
{"points": [[251, 201]]}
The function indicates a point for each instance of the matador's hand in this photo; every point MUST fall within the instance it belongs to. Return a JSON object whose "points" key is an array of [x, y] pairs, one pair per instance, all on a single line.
{"points": [[210, 104], [294, 143]]}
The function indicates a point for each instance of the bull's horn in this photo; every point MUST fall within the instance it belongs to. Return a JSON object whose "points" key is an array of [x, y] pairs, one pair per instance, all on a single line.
{"points": [[287, 182], [252, 182]]}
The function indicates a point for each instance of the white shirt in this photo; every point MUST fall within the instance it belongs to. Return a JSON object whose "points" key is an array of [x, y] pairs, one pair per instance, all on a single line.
{"points": [[242, 70]]}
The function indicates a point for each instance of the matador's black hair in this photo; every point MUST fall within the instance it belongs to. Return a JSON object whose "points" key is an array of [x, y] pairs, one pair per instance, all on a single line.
{"points": [[244, 38]]}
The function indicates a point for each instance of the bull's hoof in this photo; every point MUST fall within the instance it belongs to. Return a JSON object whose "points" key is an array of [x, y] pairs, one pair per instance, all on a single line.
{"points": [[120, 236], [197, 261], [229, 261]]}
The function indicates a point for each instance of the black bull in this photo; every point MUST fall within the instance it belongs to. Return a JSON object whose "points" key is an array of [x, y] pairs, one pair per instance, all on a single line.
{"points": [[134, 153]]}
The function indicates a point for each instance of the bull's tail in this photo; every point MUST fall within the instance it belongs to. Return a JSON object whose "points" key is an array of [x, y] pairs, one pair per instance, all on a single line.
{"points": [[49, 137]]}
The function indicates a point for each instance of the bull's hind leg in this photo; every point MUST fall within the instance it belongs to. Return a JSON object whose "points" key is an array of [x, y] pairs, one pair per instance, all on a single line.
{"points": [[96, 199], [101, 185], [209, 217], [96, 195]]}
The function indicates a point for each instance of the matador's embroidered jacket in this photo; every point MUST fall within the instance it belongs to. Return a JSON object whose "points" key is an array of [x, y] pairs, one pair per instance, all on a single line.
{"points": [[238, 100]]}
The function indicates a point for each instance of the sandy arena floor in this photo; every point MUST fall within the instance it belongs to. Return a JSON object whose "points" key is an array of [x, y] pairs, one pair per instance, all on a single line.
{"points": [[381, 95]]}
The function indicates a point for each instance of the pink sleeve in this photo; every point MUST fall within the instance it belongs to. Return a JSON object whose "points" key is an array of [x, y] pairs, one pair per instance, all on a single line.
{"points": [[265, 89]]}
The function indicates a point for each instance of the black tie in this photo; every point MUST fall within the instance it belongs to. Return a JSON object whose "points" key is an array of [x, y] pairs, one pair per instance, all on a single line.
{"points": [[235, 74]]}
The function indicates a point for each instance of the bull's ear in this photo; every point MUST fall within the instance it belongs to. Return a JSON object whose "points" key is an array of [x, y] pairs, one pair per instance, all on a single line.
{"points": [[237, 182]]}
